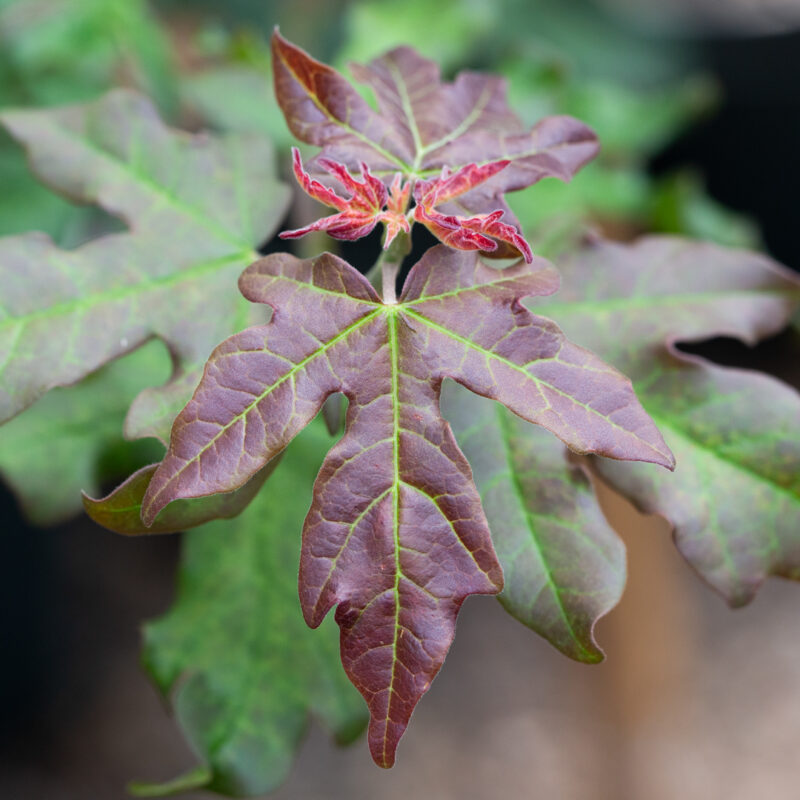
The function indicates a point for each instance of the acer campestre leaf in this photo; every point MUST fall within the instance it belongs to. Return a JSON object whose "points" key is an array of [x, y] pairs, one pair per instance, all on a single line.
{"points": [[196, 206], [423, 125], [563, 564], [71, 439], [734, 499], [242, 669], [396, 537]]}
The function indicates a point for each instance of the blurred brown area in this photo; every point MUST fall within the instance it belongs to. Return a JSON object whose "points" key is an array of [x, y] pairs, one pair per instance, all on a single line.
{"points": [[693, 701]]}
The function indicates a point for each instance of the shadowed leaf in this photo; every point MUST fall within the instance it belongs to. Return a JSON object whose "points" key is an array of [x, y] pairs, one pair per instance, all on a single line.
{"points": [[734, 497], [396, 537], [564, 566], [196, 207], [71, 439], [120, 511], [242, 668]]}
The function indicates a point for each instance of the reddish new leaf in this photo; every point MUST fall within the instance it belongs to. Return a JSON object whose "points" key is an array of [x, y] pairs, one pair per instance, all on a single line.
{"points": [[359, 213], [424, 125], [396, 537]]}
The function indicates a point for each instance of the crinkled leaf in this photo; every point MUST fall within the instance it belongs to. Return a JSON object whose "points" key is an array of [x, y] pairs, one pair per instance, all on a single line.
{"points": [[396, 537], [71, 439], [423, 124], [242, 668], [734, 497], [563, 564], [196, 207]]}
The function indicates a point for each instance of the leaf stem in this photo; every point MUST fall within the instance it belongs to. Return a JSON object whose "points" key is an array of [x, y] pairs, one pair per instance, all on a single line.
{"points": [[383, 275]]}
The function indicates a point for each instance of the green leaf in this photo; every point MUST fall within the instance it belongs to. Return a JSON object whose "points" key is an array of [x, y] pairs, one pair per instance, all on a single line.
{"points": [[60, 51], [71, 439], [564, 566], [196, 206], [734, 498], [236, 97], [242, 668]]}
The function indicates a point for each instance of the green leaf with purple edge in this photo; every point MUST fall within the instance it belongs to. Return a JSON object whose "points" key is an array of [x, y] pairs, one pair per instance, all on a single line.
{"points": [[396, 537], [564, 566], [734, 498], [120, 510], [196, 206], [241, 668]]}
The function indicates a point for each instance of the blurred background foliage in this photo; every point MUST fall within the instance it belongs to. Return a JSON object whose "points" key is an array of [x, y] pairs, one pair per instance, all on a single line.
{"points": [[207, 64]]}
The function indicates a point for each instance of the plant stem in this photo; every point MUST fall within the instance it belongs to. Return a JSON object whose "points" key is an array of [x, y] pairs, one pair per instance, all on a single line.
{"points": [[383, 275]]}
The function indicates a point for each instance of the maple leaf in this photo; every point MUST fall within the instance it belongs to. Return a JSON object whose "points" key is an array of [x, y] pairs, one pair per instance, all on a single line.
{"points": [[359, 214], [734, 499], [422, 126], [396, 537], [196, 206], [467, 233]]}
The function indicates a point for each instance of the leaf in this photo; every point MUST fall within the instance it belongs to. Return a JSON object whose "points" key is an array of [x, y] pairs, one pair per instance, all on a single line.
{"points": [[120, 511], [423, 125], [734, 499], [71, 439], [564, 566], [396, 537], [242, 668], [196, 207]]}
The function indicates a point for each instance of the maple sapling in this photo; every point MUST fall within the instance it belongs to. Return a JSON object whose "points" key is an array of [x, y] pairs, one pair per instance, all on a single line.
{"points": [[396, 537], [404, 516]]}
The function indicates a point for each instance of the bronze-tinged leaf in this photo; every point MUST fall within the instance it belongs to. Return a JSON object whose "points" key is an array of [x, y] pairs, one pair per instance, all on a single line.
{"points": [[734, 499], [196, 207], [564, 566], [396, 537], [423, 124]]}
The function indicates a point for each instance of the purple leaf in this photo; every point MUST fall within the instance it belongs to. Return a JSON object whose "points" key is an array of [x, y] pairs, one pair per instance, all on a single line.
{"points": [[424, 125], [396, 537]]}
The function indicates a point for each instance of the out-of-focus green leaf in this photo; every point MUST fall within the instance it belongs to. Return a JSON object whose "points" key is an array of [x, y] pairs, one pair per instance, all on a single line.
{"points": [[241, 666], [564, 566], [237, 98], [447, 36], [196, 207], [734, 498], [61, 51], [680, 204], [71, 439]]}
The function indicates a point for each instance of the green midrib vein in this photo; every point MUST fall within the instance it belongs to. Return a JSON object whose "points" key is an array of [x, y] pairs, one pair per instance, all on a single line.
{"points": [[342, 124], [131, 290], [208, 223], [392, 333]]}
